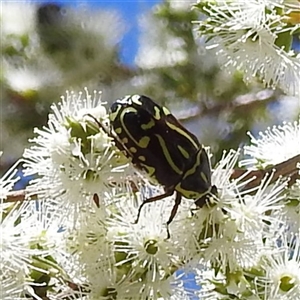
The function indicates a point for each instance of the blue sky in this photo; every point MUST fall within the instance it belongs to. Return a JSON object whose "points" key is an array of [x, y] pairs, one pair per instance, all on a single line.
{"points": [[130, 11]]}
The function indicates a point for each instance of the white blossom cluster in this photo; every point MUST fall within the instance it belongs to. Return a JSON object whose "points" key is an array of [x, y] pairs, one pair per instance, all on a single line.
{"points": [[90, 30], [77, 238], [256, 38]]}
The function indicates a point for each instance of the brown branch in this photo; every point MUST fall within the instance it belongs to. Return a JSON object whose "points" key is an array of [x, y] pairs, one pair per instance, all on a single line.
{"points": [[19, 195], [243, 103], [287, 168]]}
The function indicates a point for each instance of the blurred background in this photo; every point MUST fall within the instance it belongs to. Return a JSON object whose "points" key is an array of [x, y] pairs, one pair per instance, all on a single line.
{"points": [[120, 48]]}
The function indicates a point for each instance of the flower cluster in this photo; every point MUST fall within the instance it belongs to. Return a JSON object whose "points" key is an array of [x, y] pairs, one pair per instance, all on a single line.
{"points": [[80, 238], [255, 37], [73, 158]]}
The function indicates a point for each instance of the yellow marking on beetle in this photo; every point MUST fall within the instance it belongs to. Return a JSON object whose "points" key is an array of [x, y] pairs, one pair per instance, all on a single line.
{"points": [[125, 140], [183, 151], [132, 149], [167, 154], [156, 113], [148, 125], [150, 170], [187, 193], [136, 99], [113, 115], [144, 141], [193, 169], [118, 130], [166, 111], [204, 177], [143, 158], [182, 132]]}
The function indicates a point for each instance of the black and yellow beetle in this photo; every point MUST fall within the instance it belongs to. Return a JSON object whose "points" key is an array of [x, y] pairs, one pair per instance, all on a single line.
{"points": [[158, 144]]}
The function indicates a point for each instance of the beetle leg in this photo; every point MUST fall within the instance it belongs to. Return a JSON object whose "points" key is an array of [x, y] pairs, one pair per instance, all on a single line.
{"points": [[117, 141], [173, 212], [153, 199], [100, 125]]}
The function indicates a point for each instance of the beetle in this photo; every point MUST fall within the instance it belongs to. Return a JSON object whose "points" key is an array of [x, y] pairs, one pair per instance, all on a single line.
{"points": [[158, 144]]}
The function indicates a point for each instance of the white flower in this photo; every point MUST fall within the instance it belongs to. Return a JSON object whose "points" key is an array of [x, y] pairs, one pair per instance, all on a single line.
{"points": [[46, 230], [158, 48], [113, 256], [72, 157], [291, 209], [17, 18], [252, 36], [236, 222], [282, 270], [7, 181], [218, 286], [107, 25], [16, 254], [181, 5], [273, 146], [85, 255], [276, 276], [143, 252], [29, 79], [145, 243], [12, 286], [15, 249]]}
